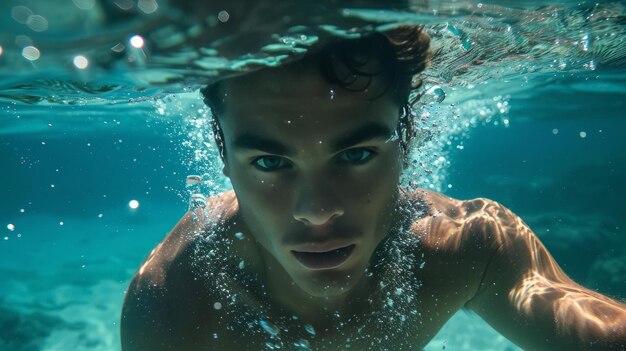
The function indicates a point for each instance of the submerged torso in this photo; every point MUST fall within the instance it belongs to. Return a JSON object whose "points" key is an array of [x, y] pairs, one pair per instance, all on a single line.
{"points": [[426, 274]]}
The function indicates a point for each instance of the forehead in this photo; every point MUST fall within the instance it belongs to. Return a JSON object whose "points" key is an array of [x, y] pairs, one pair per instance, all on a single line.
{"points": [[297, 99]]}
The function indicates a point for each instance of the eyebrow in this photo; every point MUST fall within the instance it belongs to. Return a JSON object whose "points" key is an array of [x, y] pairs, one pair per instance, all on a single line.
{"points": [[253, 142], [367, 132], [364, 133]]}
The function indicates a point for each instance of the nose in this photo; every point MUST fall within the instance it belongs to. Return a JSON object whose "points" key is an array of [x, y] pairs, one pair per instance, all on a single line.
{"points": [[316, 203]]}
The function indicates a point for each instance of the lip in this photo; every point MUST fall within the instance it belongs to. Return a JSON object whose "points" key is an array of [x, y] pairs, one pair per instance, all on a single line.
{"points": [[322, 247], [319, 260]]}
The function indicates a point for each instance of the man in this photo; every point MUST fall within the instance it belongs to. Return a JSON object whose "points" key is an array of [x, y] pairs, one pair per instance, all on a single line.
{"points": [[318, 246]]}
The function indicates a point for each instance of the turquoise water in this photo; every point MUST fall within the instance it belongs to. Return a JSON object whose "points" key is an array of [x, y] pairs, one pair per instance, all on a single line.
{"points": [[532, 117]]}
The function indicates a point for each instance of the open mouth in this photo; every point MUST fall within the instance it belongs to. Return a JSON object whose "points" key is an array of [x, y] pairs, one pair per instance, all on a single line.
{"points": [[324, 260]]}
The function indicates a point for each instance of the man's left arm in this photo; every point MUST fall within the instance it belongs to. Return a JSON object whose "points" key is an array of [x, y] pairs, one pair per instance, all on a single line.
{"points": [[526, 296]]}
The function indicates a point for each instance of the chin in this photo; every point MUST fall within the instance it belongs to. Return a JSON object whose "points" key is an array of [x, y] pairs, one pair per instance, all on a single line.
{"points": [[327, 284]]}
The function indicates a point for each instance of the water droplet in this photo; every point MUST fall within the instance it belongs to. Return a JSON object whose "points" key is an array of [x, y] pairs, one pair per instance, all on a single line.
{"points": [[435, 94], [422, 265], [389, 302], [302, 344], [10, 227], [192, 180], [239, 235], [242, 264], [37, 23], [583, 134], [269, 327], [147, 6], [197, 200], [81, 62], [31, 53], [332, 94], [271, 346], [21, 13], [136, 41], [84, 4], [223, 16], [217, 305], [309, 329], [133, 204]]}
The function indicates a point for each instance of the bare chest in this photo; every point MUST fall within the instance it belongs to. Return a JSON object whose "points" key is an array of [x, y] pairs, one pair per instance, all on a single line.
{"points": [[395, 319]]}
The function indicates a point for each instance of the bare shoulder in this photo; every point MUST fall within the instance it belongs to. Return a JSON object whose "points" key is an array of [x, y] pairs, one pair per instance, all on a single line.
{"points": [[458, 238], [160, 262], [462, 225], [166, 279]]}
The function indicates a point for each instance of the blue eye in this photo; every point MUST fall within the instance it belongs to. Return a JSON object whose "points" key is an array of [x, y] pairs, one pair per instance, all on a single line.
{"points": [[357, 155], [269, 163]]}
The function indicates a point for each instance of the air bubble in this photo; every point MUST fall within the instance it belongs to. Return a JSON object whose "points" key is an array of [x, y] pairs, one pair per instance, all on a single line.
{"points": [[81, 62], [37, 23], [269, 327], [147, 6], [84, 4], [31, 53], [435, 94], [21, 13], [192, 180], [309, 329], [303, 345], [197, 200], [137, 41], [223, 16], [239, 235]]}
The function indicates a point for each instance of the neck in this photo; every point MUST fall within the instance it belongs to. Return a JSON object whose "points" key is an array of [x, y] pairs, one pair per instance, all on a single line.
{"points": [[288, 299]]}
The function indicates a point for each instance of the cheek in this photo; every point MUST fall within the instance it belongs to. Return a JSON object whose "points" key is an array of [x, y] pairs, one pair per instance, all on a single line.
{"points": [[262, 199], [378, 181]]}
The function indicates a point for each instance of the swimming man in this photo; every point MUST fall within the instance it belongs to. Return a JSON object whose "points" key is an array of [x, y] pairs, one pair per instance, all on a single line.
{"points": [[319, 247]]}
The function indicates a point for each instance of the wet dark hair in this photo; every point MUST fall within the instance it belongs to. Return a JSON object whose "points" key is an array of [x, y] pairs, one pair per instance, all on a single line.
{"points": [[401, 53]]}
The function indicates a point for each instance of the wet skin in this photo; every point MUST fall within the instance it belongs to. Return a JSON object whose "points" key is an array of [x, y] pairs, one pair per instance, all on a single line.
{"points": [[310, 163]]}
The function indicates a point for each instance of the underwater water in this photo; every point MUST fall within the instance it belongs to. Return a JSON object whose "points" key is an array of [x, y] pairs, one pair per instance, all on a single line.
{"points": [[522, 105]]}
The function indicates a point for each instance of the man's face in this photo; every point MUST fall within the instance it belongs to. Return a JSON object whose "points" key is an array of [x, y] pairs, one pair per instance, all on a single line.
{"points": [[315, 168]]}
